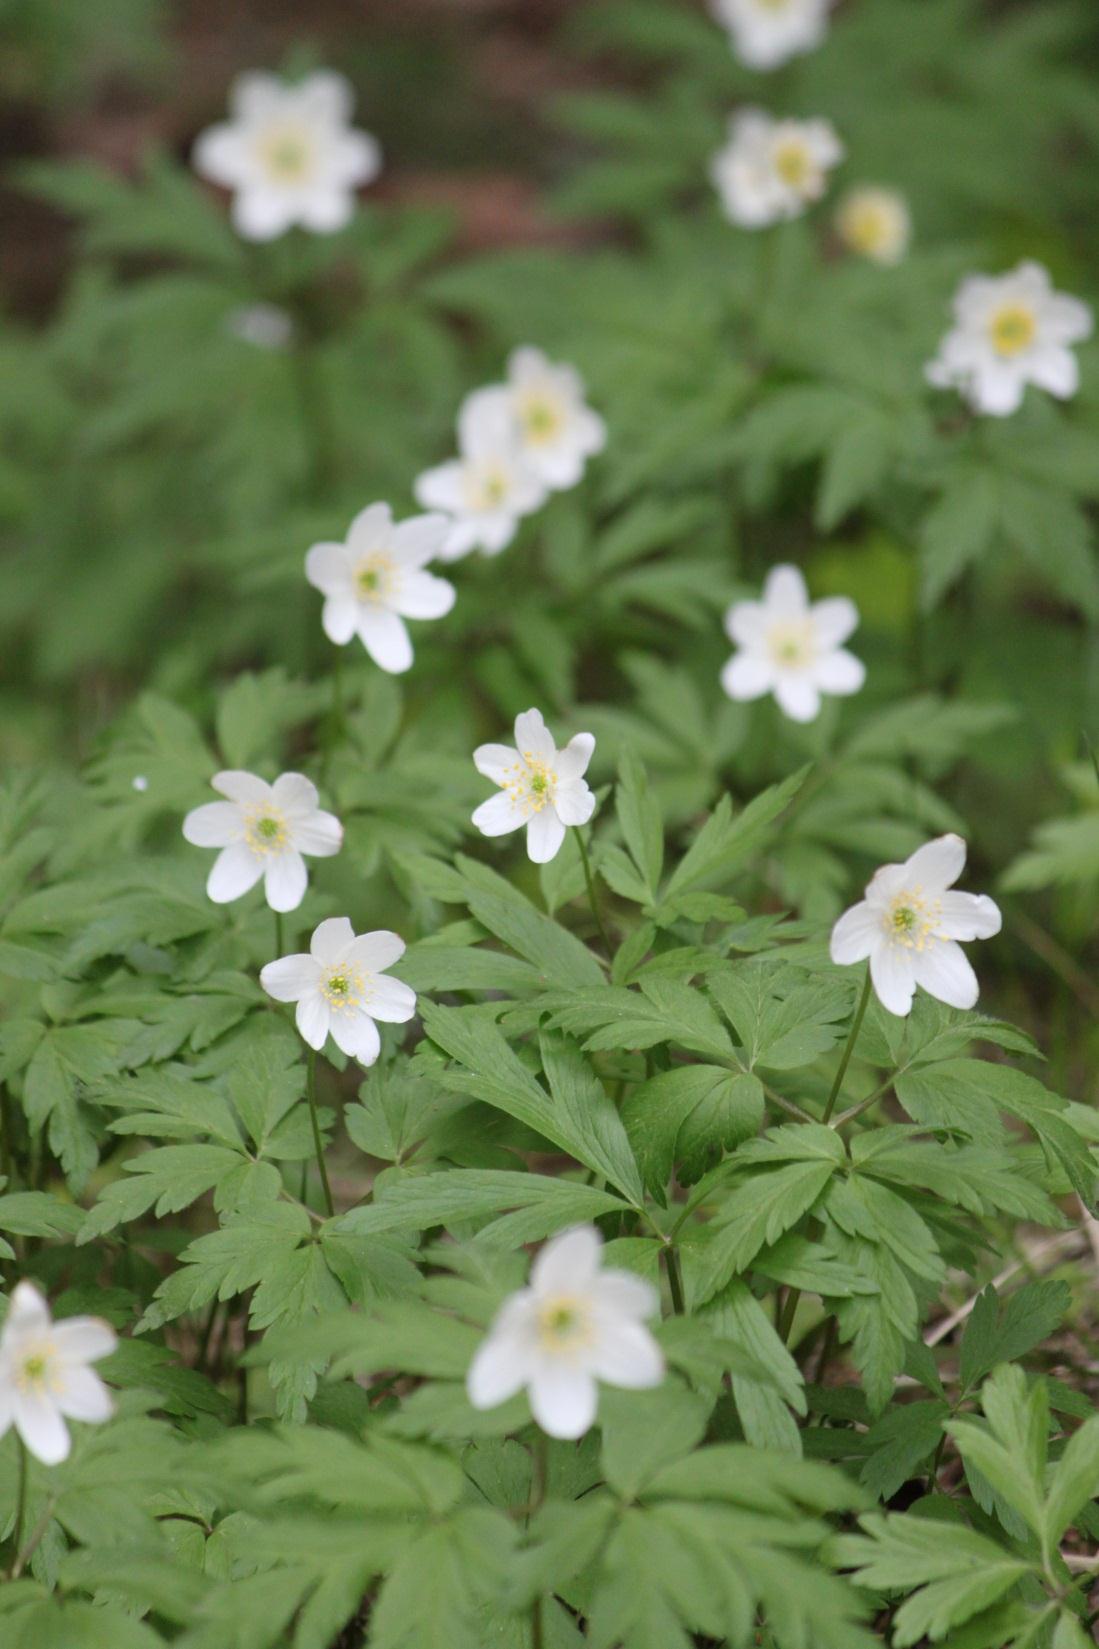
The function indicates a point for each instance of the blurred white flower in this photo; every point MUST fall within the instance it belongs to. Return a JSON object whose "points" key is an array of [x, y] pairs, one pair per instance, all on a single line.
{"points": [[766, 33], [489, 486], [770, 170], [289, 154], [875, 222], [263, 325], [376, 580], [139, 783], [341, 988], [556, 430], [263, 830], [791, 647], [1009, 331], [909, 925], [541, 787], [45, 1375], [572, 1327]]}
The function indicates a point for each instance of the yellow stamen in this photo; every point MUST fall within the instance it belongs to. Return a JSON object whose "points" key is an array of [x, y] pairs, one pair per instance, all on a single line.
{"points": [[1013, 329]]}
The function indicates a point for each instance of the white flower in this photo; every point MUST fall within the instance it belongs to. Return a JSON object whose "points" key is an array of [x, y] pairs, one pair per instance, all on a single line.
{"points": [[263, 830], [791, 647], [771, 169], [1011, 330], [341, 987], [263, 325], [375, 580], [573, 1326], [44, 1373], [556, 430], [909, 925], [875, 223], [541, 787], [289, 154], [766, 33], [490, 486]]}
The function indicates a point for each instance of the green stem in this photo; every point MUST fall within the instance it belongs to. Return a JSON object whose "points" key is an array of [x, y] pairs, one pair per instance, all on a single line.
{"points": [[20, 1502], [311, 1090], [789, 1312], [592, 901], [315, 415], [853, 1036], [675, 1279], [280, 949], [538, 1476]]}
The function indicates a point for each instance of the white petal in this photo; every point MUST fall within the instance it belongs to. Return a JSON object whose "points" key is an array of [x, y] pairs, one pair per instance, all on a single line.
{"points": [[944, 972], [625, 1354], [422, 595], [285, 880], [235, 870], [498, 816], [486, 423], [372, 529], [357, 158], [340, 618], [532, 737], [28, 1313], [321, 835], [385, 638], [441, 488], [747, 676], [855, 934], [262, 213], [574, 803], [784, 593], [834, 620], [324, 97], [331, 941], [83, 1396], [495, 761], [215, 824], [312, 1017], [356, 1035], [84, 1339], [568, 1262], [746, 623], [563, 1400], [937, 865], [500, 1368], [295, 794], [625, 1294], [1056, 370], [545, 833], [245, 788], [419, 539], [41, 1427], [839, 672], [996, 390], [328, 568], [391, 1000], [797, 696], [219, 154], [572, 761], [969, 916], [894, 980], [255, 93], [377, 950], [290, 977], [326, 208]]}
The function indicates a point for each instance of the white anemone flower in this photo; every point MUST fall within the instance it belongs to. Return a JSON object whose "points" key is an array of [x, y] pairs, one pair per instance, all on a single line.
{"points": [[45, 1377], [1009, 331], [376, 580], [289, 154], [875, 223], [540, 786], [262, 830], [909, 925], [490, 486], [771, 170], [791, 647], [341, 988], [764, 34], [573, 1326], [556, 430]]}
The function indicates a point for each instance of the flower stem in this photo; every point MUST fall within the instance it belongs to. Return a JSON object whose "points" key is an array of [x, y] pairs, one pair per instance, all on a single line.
{"points": [[539, 1471], [311, 1090], [20, 1502], [592, 900], [279, 947], [852, 1038], [675, 1279]]}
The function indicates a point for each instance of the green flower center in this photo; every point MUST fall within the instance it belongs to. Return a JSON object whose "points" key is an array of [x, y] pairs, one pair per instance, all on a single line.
{"points": [[904, 919], [268, 828]]}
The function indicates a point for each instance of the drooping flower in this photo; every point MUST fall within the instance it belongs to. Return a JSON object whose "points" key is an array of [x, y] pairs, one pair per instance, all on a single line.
{"points": [[555, 429], [573, 1326], [490, 486], [540, 786], [771, 170], [341, 987], [1009, 331], [289, 154], [766, 33], [263, 830], [909, 925], [45, 1373], [875, 222], [791, 647], [376, 580]]}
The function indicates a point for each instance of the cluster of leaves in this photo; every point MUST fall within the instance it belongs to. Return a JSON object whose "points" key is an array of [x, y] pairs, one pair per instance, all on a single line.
{"points": [[295, 1463]]}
